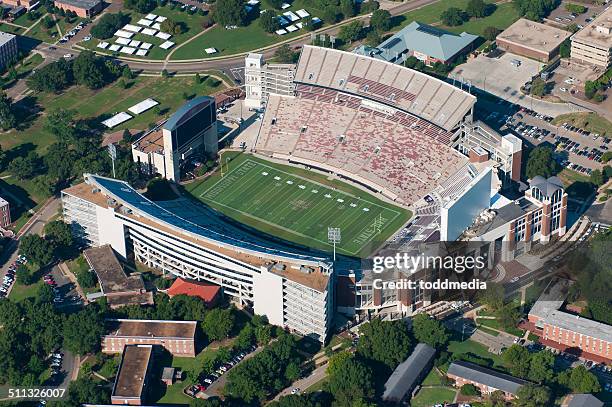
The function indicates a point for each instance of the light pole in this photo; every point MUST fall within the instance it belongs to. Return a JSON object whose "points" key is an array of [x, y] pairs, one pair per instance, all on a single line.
{"points": [[112, 152], [334, 236]]}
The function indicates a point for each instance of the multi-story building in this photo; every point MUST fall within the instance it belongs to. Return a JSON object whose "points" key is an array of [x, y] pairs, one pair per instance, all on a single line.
{"points": [[27, 4], [487, 380], [8, 48], [82, 8], [262, 79], [5, 213], [566, 331], [130, 387], [177, 337], [192, 129], [593, 43], [293, 288]]}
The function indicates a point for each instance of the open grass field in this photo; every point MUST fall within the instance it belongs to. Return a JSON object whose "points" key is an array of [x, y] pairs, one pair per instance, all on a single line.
{"points": [[290, 204], [428, 396], [588, 121], [9, 28]]}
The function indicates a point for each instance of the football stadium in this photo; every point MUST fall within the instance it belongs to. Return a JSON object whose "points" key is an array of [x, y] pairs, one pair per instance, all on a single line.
{"points": [[387, 155]]}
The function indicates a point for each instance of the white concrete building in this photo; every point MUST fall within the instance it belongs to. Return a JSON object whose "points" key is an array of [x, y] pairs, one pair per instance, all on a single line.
{"points": [[294, 290], [593, 43], [262, 79], [8, 48]]}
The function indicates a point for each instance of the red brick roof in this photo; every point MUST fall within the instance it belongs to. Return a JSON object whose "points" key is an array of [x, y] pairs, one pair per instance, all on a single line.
{"points": [[207, 292]]}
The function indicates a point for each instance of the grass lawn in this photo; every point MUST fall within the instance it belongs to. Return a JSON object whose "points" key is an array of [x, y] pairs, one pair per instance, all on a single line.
{"points": [[433, 378], [478, 349], [293, 205], [66, 26], [427, 397], [48, 35], [431, 13], [488, 330], [21, 292], [79, 265], [503, 16], [493, 323], [570, 176], [588, 121], [109, 366], [242, 39], [9, 28], [24, 20]]}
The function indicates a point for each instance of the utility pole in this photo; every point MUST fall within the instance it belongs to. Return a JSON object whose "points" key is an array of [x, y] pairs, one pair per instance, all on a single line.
{"points": [[112, 152]]}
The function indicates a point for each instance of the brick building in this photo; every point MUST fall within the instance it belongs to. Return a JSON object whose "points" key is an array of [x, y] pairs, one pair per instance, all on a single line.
{"points": [[177, 337], [487, 380], [82, 8], [5, 213], [533, 40], [131, 382]]}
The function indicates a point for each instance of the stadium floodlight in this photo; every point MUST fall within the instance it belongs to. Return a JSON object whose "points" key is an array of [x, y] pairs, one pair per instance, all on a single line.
{"points": [[334, 236], [112, 152]]}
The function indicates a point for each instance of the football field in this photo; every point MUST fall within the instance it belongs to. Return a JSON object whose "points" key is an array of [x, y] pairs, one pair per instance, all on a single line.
{"points": [[299, 206]]}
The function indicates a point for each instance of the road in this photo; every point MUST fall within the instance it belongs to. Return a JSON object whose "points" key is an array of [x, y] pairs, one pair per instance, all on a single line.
{"points": [[226, 63], [316, 376]]}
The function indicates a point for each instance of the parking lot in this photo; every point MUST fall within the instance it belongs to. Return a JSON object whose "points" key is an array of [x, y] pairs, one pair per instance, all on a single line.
{"points": [[560, 16]]}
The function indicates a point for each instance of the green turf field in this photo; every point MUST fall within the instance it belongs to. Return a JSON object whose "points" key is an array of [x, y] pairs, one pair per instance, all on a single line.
{"points": [[299, 206]]}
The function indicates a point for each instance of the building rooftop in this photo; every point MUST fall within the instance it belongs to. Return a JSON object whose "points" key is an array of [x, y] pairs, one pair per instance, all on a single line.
{"points": [[547, 186], [581, 325], [84, 4], [533, 35], [306, 276], [3, 201], [130, 380], [551, 299], [151, 142], [151, 328], [488, 377], [404, 377], [5, 37], [186, 111], [205, 291], [110, 273], [584, 400], [597, 32]]}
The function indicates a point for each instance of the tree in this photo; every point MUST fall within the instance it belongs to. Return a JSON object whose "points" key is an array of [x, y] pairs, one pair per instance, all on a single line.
{"points": [[24, 276], [381, 20], [452, 17], [127, 72], [89, 70], [476, 8], [142, 6], [352, 381], [44, 294], [493, 297], [387, 342], [575, 8], [218, 324], [508, 316], [579, 380], [53, 77], [58, 161], [541, 162], [159, 189], [352, 31], [518, 359], [2, 159], [538, 87], [285, 54], [597, 177], [7, 114], [172, 27], [531, 395], [534, 9], [373, 38], [470, 390], [60, 236], [490, 33], [269, 22], [209, 402], [245, 338], [277, 4], [348, 8], [565, 49], [61, 123], [429, 331], [296, 400], [331, 14], [541, 367], [230, 12], [24, 167], [82, 391], [82, 331], [263, 334], [108, 24]]}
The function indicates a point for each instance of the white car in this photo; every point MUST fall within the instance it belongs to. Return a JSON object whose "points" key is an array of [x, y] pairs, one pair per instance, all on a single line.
{"points": [[514, 280], [563, 89], [87, 38], [67, 56], [295, 390]]}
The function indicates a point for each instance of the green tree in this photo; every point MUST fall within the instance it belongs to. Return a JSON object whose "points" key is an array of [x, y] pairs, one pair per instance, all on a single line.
{"points": [[541, 367], [89, 70], [534, 9], [218, 324], [538, 87], [269, 22], [37, 249], [348, 8], [470, 390], [263, 334], [62, 124], [387, 342], [82, 331], [351, 382], [141, 6], [565, 49], [44, 294], [493, 297], [597, 177], [531, 395], [296, 400], [381, 21], [173, 27], [429, 331], [541, 162], [7, 113], [285, 54], [476, 8], [490, 33], [108, 24], [229, 13], [83, 391], [452, 17], [2, 159], [373, 38], [25, 167], [579, 380], [352, 31], [127, 73], [518, 359]]}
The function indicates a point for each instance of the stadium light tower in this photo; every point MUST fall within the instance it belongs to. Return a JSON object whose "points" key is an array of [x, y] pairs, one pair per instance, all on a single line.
{"points": [[112, 152], [334, 236]]}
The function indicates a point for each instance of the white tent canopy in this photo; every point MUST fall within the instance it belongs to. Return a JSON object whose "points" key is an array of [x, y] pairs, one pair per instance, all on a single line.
{"points": [[132, 28], [302, 13], [103, 45], [128, 50], [167, 45], [149, 31], [124, 34], [163, 36], [142, 52], [145, 22], [211, 50], [116, 120], [144, 105]]}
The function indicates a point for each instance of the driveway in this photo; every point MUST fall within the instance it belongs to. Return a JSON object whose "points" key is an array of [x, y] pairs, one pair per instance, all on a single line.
{"points": [[214, 390], [316, 376]]}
